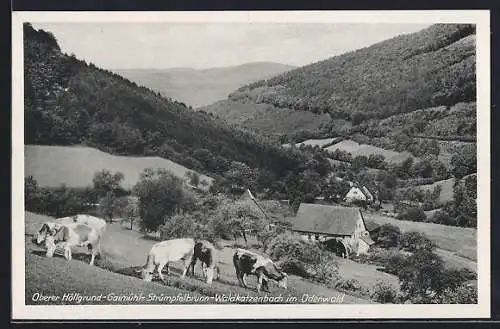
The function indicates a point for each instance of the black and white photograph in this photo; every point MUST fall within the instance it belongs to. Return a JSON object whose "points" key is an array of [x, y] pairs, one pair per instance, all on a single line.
{"points": [[251, 165]]}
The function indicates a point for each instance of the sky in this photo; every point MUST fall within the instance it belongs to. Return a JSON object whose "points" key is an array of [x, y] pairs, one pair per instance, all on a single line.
{"points": [[207, 45]]}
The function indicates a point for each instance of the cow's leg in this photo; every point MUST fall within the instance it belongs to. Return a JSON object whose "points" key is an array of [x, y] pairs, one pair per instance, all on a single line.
{"points": [[67, 251], [238, 276], [51, 248], [187, 264], [93, 252], [243, 279], [210, 274], [260, 277], [160, 270], [191, 264]]}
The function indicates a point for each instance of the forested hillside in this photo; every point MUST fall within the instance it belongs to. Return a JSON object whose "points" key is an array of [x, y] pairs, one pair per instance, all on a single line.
{"points": [[433, 68], [71, 102]]}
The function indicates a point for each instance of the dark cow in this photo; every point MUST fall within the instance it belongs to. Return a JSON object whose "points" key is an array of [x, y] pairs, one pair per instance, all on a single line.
{"points": [[247, 262], [206, 253]]}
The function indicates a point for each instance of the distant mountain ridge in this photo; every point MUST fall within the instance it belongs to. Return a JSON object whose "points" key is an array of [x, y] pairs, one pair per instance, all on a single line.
{"points": [[200, 87]]}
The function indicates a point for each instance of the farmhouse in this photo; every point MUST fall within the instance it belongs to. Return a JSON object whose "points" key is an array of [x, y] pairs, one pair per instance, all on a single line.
{"points": [[359, 193], [342, 229]]}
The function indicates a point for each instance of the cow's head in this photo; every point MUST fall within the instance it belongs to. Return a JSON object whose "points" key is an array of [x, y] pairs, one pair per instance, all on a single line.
{"points": [[146, 275], [283, 282], [48, 229]]}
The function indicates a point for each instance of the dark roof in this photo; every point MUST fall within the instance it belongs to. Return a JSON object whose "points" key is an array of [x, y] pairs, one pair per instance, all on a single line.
{"points": [[371, 225], [318, 218]]}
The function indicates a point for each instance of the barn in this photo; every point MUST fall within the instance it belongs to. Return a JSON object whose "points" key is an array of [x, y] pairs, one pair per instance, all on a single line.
{"points": [[342, 229]]}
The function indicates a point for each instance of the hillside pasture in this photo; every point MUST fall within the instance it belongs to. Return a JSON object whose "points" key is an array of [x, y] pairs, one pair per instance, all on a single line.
{"points": [[356, 149], [456, 241], [446, 189], [123, 252], [53, 166]]}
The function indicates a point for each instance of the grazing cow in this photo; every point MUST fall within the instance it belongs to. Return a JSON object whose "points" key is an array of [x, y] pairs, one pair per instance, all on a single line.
{"points": [[206, 253], [67, 236], [247, 262], [94, 222], [162, 253]]}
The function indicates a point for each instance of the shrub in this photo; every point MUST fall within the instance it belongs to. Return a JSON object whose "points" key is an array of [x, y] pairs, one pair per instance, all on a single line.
{"points": [[351, 285], [416, 241], [463, 294], [383, 293], [326, 271], [290, 245], [379, 256], [293, 254], [395, 263], [442, 217]]}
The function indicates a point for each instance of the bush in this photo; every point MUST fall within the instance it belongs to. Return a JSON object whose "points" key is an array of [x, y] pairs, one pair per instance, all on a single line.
{"points": [[378, 256], [326, 271], [416, 241], [351, 285], [442, 217], [463, 294], [413, 214], [294, 255], [395, 263], [290, 245], [383, 293]]}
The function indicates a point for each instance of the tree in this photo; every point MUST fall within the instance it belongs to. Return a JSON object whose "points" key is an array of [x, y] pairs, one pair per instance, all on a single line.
{"points": [[376, 161], [464, 161], [388, 236], [32, 194], [160, 194], [194, 178], [336, 189], [241, 175], [105, 181], [359, 162], [420, 276]]}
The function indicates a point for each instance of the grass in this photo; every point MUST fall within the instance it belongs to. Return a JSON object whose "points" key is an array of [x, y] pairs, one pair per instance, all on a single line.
{"points": [[446, 189], [356, 149], [459, 244], [53, 166], [124, 251]]}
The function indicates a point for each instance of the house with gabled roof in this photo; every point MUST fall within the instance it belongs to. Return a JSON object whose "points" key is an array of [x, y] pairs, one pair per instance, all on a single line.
{"points": [[342, 229], [359, 192]]}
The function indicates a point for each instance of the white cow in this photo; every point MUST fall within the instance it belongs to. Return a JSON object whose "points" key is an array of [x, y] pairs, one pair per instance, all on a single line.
{"points": [[162, 253], [66, 236], [98, 223]]}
